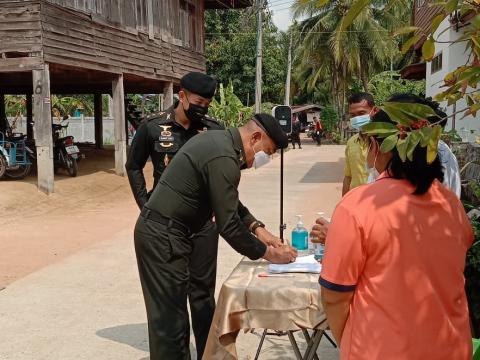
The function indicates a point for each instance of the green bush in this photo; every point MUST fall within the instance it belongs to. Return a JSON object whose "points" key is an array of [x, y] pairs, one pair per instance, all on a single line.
{"points": [[329, 119], [228, 109]]}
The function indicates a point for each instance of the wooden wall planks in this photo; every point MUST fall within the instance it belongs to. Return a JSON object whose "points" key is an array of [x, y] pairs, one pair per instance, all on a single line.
{"points": [[104, 35], [20, 28], [70, 37], [179, 22], [423, 15]]}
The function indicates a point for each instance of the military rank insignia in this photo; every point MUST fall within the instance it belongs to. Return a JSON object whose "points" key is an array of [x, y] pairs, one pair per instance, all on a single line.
{"points": [[166, 160], [166, 138]]}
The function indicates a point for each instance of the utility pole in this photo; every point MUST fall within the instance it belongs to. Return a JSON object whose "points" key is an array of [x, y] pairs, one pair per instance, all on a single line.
{"points": [[258, 74], [289, 73]]}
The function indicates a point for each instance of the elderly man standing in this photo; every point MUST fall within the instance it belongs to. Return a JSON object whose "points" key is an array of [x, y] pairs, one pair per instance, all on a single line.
{"points": [[201, 181]]}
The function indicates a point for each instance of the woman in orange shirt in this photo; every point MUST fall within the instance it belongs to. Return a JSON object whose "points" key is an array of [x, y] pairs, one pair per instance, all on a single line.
{"points": [[392, 278]]}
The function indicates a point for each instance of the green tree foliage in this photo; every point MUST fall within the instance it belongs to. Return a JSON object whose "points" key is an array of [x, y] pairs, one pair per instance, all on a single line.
{"points": [[61, 105], [229, 108], [67, 105], [147, 103], [385, 84], [230, 49], [339, 58], [329, 118], [15, 106]]}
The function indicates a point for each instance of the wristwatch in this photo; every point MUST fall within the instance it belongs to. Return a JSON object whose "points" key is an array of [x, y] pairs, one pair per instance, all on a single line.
{"points": [[256, 225]]}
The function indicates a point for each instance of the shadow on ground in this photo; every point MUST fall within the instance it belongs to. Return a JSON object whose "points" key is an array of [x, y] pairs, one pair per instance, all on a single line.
{"points": [[134, 335], [324, 172]]}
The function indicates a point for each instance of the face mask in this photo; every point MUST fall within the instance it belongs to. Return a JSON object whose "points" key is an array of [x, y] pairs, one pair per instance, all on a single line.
{"points": [[358, 121], [194, 112], [373, 174], [260, 159]]}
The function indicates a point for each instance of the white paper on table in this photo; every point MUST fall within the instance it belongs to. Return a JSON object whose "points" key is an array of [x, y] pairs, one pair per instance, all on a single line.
{"points": [[303, 264]]}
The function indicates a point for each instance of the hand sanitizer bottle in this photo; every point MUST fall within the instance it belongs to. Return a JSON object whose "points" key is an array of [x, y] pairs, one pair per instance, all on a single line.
{"points": [[300, 235]]}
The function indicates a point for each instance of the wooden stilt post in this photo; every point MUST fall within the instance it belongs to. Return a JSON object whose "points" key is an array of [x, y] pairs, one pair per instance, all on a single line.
{"points": [[98, 109], [29, 105], [168, 95], [3, 115], [119, 125], [43, 128]]}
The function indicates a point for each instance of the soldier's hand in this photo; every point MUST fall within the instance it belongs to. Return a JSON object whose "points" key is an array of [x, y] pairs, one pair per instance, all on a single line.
{"points": [[281, 255], [268, 238], [319, 231]]}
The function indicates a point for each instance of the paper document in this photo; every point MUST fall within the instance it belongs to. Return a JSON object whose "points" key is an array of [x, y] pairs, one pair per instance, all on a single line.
{"points": [[303, 264]]}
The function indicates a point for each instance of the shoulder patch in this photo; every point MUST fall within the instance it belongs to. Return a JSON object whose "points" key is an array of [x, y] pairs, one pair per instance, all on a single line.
{"points": [[152, 117], [161, 118]]}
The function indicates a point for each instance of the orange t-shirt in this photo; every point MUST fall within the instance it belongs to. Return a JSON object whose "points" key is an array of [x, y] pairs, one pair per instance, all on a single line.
{"points": [[403, 255]]}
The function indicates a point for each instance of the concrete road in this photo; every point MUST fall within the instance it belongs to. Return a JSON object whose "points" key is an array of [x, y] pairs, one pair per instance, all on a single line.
{"points": [[89, 305]]}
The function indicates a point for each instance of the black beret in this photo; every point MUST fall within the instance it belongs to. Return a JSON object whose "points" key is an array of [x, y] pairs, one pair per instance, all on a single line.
{"points": [[273, 129], [200, 84]]}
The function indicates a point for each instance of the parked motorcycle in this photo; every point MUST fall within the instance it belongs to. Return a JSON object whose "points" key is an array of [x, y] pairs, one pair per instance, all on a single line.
{"points": [[66, 154]]}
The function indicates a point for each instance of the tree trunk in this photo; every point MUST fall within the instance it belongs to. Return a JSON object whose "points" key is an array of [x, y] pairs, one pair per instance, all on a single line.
{"points": [[363, 77]]}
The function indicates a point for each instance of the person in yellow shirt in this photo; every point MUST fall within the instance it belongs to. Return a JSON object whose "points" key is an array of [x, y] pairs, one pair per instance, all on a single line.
{"points": [[360, 107]]}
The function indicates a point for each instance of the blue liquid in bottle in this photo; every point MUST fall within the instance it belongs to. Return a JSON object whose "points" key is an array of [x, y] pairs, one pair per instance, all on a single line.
{"points": [[300, 235]]}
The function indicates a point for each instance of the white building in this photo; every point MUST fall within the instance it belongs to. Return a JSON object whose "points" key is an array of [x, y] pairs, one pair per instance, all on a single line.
{"points": [[448, 57]]}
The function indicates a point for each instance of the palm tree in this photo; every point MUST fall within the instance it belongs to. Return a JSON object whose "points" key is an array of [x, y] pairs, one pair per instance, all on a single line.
{"points": [[333, 54]]}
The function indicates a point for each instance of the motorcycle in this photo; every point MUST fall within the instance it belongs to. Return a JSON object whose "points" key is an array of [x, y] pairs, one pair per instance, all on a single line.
{"points": [[316, 135], [311, 131], [66, 154]]}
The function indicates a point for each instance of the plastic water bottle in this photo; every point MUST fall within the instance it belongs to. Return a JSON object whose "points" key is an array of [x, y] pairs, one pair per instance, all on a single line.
{"points": [[319, 252], [319, 248], [300, 235]]}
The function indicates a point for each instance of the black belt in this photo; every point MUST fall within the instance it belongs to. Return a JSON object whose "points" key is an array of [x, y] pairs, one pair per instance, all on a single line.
{"points": [[159, 218]]}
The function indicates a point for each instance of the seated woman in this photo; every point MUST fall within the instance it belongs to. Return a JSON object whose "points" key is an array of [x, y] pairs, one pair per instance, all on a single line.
{"points": [[392, 278]]}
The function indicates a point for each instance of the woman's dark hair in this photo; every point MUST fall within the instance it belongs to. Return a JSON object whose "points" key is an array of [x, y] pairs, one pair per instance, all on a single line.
{"points": [[418, 172]]}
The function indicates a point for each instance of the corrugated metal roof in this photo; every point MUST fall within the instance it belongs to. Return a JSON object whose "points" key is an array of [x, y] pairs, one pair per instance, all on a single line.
{"points": [[301, 108]]}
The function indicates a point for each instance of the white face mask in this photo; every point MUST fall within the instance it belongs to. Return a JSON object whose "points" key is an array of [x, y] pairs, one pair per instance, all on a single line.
{"points": [[373, 173], [260, 159], [358, 121]]}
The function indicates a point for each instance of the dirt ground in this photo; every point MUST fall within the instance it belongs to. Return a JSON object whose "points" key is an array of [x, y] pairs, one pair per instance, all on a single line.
{"points": [[95, 197]]}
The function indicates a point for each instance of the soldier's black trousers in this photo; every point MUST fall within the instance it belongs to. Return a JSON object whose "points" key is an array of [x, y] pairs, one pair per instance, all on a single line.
{"points": [[173, 266]]}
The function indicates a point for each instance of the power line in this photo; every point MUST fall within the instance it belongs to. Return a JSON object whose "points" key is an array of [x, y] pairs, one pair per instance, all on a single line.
{"points": [[277, 1], [287, 8]]}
